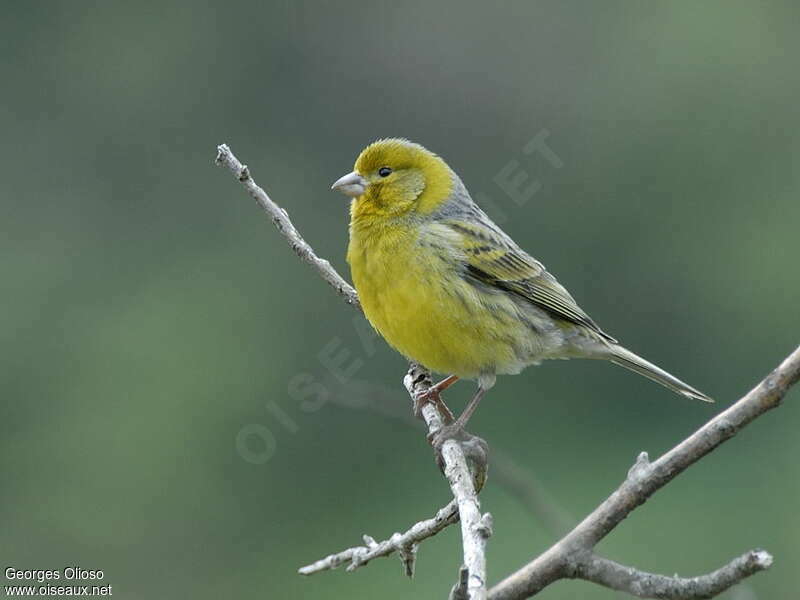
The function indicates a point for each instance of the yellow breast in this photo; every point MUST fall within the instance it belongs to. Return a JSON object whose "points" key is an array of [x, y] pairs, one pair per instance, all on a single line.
{"points": [[424, 309]]}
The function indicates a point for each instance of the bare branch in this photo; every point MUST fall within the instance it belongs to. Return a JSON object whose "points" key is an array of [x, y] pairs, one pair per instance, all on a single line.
{"points": [[644, 479], [476, 528], [404, 543], [650, 585], [280, 218]]}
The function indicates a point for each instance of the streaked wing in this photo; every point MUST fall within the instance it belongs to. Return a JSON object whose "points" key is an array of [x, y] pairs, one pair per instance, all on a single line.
{"points": [[492, 258]]}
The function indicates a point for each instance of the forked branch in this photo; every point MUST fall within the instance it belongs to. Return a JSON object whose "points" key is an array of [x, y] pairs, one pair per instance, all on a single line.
{"points": [[573, 556], [644, 479], [403, 543]]}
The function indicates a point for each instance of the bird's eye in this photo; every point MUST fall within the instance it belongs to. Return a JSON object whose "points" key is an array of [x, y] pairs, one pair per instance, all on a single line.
{"points": [[384, 171]]}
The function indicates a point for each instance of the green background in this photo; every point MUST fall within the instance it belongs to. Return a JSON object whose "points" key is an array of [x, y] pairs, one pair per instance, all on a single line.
{"points": [[151, 313]]}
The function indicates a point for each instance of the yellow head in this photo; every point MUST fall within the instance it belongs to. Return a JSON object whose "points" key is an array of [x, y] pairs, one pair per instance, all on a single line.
{"points": [[395, 178]]}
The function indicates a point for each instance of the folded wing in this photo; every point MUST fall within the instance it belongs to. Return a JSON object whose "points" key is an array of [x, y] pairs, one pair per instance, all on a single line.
{"points": [[491, 258]]}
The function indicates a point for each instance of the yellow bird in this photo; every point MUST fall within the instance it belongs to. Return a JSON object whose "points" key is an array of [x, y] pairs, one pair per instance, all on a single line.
{"points": [[448, 289]]}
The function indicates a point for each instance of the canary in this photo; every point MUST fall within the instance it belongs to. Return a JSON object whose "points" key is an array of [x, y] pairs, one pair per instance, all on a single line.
{"points": [[450, 290]]}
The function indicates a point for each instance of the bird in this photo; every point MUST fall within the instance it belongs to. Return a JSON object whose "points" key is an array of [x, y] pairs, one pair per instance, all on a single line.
{"points": [[450, 290]]}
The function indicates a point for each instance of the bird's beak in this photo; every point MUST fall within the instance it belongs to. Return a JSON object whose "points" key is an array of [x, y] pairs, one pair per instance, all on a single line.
{"points": [[352, 185]]}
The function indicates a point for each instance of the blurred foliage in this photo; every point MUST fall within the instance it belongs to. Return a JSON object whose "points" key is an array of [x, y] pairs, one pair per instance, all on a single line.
{"points": [[151, 312]]}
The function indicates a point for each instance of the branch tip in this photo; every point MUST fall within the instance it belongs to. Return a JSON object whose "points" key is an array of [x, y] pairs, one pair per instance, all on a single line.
{"points": [[280, 219], [762, 558], [222, 153]]}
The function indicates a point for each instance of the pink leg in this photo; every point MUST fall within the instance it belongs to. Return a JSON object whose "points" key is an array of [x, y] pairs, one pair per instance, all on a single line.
{"points": [[443, 384]]}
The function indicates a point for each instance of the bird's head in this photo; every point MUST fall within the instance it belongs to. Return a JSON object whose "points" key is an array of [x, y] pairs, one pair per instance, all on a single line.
{"points": [[395, 178]]}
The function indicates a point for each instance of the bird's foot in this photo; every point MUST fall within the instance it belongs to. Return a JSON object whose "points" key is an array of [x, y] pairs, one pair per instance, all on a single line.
{"points": [[420, 398], [475, 449], [432, 395]]}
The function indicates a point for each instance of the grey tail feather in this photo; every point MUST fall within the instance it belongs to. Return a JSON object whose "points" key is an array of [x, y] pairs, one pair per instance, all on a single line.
{"points": [[625, 358]]}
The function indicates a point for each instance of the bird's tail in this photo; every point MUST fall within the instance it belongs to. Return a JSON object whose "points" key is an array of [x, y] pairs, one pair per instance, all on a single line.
{"points": [[625, 358]]}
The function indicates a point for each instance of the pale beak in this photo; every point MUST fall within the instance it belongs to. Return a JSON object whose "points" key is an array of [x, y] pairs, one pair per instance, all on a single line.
{"points": [[352, 185]]}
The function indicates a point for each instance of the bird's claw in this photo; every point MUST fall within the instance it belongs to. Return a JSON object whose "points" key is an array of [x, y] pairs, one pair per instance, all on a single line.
{"points": [[432, 395], [420, 399]]}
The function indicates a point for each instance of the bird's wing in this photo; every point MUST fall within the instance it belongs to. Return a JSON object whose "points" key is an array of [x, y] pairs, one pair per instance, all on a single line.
{"points": [[493, 259]]}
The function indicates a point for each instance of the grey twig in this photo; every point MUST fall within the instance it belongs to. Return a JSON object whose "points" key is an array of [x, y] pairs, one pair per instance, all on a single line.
{"points": [[573, 556], [280, 218], [403, 543], [474, 526], [650, 585]]}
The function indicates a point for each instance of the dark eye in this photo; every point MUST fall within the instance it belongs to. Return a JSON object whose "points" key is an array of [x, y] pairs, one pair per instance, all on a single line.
{"points": [[384, 171]]}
